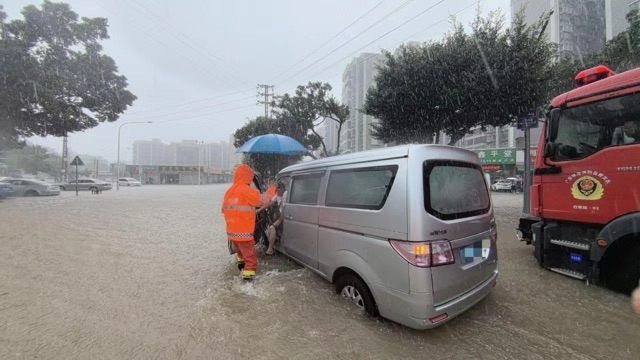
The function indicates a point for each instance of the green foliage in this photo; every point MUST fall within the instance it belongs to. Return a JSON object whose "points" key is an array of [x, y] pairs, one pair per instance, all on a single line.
{"points": [[56, 80], [310, 107], [266, 164], [33, 159], [295, 116], [484, 78]]}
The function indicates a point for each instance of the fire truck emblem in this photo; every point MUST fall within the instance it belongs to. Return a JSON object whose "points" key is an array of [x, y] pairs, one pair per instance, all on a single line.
{"points": [[587, 188]]}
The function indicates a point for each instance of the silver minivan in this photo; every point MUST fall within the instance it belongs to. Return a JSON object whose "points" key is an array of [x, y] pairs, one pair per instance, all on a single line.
{"points": [[407, 232]]}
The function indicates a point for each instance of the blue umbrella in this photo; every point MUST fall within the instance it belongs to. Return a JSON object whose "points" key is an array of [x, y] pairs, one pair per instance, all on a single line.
{"points": [[272, 144]]}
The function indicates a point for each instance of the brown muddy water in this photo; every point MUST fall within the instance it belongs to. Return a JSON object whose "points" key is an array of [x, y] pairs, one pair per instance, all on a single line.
{"points": [[144, 273]]}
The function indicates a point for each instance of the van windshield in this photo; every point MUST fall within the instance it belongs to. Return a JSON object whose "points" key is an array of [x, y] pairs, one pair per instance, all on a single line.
{"points": [[454, 189]]}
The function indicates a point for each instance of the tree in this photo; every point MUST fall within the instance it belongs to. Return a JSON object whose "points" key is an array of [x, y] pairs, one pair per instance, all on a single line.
{"points": [[485, 78], [266, 164], [55, 78], [310, 107], [33, 159], [623, 51]]}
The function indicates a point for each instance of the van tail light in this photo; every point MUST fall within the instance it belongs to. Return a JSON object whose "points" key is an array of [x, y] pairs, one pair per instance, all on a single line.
{"points": [[494, 231], [424, 254]]}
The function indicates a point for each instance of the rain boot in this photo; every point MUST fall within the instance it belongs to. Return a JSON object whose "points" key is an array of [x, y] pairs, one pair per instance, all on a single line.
{"points": [[240, 263], [248, 275]]}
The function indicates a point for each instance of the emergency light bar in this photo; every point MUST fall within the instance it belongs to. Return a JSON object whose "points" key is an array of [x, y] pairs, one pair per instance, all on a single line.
{"points": [[589, 76]]}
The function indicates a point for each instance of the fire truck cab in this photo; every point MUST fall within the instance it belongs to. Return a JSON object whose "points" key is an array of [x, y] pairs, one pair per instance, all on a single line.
{"points": [[585, 194]]}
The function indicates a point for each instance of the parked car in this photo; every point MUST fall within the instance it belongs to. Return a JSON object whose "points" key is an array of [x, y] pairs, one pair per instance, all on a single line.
{"points": [[88, 184], [501, 185], [129, 182], [405, 232], [29, 187], [6, 190]]}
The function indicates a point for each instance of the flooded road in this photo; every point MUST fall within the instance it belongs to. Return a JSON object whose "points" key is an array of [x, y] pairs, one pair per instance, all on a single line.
{"points": [[145, 273]]}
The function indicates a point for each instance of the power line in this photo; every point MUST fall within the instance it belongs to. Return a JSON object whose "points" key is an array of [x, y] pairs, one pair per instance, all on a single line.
{"points": [[196, 49], [186, 111], [348, 41], [165, 45], [328, 41], [188, 103], [205, 114], [389, 32]]}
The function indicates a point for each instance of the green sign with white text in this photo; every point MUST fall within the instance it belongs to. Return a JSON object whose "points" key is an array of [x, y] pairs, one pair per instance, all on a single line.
{"points": [[496, 156]]}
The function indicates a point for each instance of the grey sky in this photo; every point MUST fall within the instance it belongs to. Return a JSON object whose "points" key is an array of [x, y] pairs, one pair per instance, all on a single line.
{"points": [[184, 58]]}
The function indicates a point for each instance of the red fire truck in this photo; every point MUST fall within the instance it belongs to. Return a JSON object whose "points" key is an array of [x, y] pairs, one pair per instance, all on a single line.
{"points": [[585, 195]]}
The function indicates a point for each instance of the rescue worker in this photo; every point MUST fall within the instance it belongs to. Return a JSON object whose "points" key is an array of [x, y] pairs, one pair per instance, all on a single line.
{"points": [[239, 208], [271, 190]]}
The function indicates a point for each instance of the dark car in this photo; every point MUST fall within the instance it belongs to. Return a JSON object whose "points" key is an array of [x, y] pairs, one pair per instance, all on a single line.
{"points": [[6, 190]]}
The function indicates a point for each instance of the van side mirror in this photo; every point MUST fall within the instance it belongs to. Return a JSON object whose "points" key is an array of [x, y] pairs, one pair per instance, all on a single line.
{"points": [[553, 124]]}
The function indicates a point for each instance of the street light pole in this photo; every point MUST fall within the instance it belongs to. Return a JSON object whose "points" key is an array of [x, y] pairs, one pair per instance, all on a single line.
{"points": [[118, 164]]}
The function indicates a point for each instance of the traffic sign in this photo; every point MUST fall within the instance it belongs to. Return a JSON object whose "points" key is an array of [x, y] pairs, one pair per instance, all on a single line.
{"points": [[77, 162], [528, 120]]}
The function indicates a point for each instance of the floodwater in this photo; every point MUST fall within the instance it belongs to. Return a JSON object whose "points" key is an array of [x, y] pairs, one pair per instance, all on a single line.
{"points": [[145, 273]]}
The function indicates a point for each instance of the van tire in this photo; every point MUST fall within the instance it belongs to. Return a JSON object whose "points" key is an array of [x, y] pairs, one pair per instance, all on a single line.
{"points": [[352, 288]]}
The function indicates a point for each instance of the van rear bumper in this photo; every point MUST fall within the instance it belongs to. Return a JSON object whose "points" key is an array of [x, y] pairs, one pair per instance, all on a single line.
{"points": [[417, 303]]}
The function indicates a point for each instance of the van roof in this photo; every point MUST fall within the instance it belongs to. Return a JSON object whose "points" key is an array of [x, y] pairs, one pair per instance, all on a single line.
{"points": [[384, 153]]}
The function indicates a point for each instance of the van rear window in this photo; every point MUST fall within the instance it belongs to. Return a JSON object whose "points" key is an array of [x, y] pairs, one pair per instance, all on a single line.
{"points": [[454, 189]]}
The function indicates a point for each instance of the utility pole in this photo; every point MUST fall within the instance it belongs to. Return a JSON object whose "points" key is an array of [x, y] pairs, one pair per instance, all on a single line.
{"points": [[268, 93], [199, 162], [65, 159]]}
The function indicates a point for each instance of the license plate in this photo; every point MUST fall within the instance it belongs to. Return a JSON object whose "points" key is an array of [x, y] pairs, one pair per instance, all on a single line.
{"points": [[477, 251]]}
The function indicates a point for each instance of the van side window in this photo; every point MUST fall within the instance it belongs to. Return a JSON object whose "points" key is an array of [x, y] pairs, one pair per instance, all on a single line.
{"points": [[304, 189], [454, 190], [363, 188]]}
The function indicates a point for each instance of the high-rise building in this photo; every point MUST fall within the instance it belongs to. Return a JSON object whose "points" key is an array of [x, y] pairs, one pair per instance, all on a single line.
{"points": [[577, 26], [616, 15], [219, 155], [356, 79], [152, 152]]}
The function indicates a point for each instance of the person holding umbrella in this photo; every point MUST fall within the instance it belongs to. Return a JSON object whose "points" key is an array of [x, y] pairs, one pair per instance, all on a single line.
{"points": [[239, 209]]}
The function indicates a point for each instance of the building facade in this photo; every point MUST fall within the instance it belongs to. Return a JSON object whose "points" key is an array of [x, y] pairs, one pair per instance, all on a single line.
{"points": [[616, 15], [358, 76], [577, 26], [182, 162]]}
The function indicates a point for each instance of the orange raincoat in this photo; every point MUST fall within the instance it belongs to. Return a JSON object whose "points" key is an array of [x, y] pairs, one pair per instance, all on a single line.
{"points": [[238, 205]]}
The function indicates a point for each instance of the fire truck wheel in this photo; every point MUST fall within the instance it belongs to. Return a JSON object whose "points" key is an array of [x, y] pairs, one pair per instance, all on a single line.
{"points": [[621, 268]]}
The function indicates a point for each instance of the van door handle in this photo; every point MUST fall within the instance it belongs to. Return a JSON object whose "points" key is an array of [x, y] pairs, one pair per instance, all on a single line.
{"points": [[288, 217]]}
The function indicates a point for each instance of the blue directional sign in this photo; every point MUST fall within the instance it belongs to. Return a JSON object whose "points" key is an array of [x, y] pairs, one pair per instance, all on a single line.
{"points": [[528, 120]]}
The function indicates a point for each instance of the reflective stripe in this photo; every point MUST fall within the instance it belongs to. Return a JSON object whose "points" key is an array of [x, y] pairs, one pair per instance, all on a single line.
{"points": [[248, 273], [238, 207], [239, 235], [239, 260]]}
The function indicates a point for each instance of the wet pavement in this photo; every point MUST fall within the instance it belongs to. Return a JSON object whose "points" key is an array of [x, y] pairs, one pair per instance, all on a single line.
{"points": [[145, 273]]}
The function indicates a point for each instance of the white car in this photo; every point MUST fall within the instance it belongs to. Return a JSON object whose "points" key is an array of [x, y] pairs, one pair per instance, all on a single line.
{"points": [[129, 182], [501, 185]]}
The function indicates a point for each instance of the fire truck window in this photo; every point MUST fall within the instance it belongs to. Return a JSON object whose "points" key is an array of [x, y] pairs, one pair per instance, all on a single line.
{"points": [[587, 129]]}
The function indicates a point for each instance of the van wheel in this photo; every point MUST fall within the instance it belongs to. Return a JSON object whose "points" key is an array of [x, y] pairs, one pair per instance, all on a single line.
{"points": [[354, 289]]}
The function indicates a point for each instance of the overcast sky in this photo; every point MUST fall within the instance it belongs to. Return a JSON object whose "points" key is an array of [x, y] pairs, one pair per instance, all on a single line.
{"points": [[195, 64]]}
